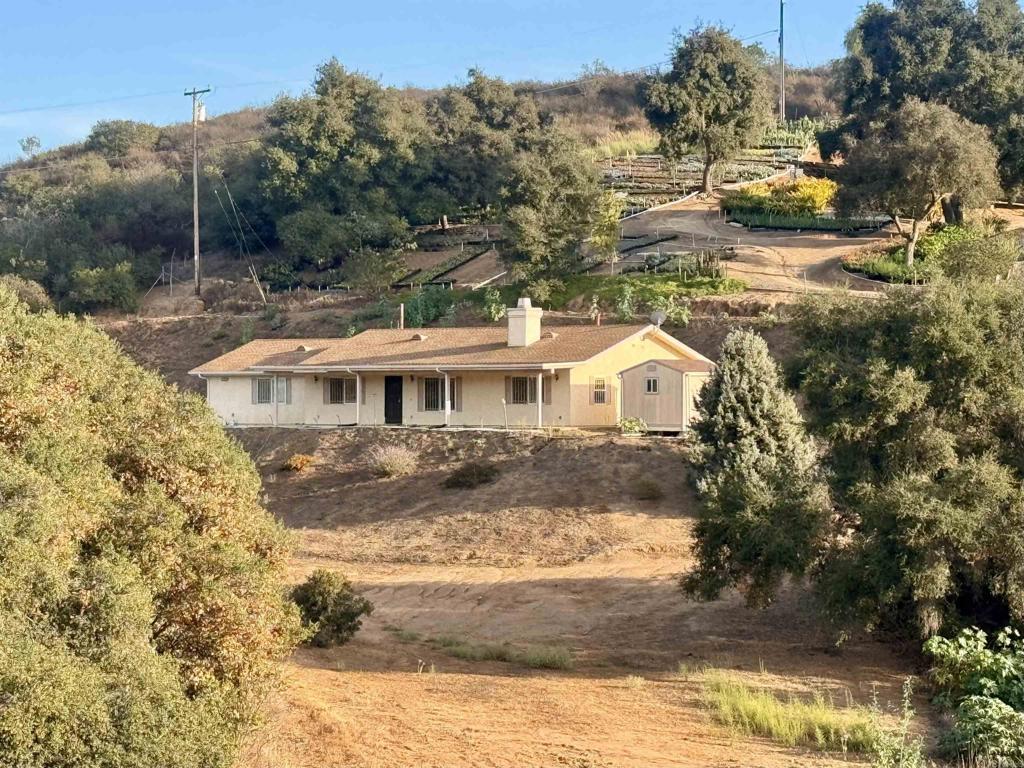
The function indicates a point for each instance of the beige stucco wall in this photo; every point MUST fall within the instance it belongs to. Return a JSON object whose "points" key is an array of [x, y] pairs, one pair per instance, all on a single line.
{"points": [[608, 365], [482, 393]]}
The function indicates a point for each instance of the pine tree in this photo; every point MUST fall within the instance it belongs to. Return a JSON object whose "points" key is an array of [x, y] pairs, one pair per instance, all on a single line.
{"points": [[763, 504]]}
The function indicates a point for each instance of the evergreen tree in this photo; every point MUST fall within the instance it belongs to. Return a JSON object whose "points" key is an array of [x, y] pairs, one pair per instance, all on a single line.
{"points": [[763, 505]]}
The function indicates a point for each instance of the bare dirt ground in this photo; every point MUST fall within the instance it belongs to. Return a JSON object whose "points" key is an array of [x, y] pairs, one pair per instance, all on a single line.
{"points": [[556, 553], [777, 261]]}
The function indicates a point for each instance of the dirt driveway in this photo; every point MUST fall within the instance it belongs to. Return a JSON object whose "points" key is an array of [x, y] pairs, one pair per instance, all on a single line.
{"points": [[765, 260], [558, 553]]}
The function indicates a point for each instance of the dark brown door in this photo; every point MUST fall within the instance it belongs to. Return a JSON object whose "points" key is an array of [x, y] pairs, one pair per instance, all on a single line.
{"points": [[392, 399]]}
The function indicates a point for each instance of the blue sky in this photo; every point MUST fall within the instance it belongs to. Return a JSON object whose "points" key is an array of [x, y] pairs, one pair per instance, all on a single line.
{"points": [[76, 53]]}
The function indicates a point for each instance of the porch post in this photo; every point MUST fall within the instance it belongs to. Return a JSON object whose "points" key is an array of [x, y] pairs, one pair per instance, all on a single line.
{"points": [[540, 400], [359, 394], [447, 400]]}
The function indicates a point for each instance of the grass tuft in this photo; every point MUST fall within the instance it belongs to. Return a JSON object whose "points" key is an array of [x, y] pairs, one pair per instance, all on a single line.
{"points": [[794, 722], [535, 657]]}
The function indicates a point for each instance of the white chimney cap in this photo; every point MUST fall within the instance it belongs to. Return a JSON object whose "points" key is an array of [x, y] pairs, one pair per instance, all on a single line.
{"points": [[524, 303]]}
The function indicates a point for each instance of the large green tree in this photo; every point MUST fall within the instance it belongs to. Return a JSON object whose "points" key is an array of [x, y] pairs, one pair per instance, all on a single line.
{"points": [[142, 612], [968, 56], [907, 165], [919, 396], [715, 100], [764, 506]]}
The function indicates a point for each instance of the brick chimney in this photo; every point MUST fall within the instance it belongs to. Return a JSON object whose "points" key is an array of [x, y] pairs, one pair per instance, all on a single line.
{"points": [[524, 324]]}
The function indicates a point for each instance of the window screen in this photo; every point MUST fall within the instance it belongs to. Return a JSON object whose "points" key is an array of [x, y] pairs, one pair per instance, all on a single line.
{"points": [[264, 391], [342, 391]]}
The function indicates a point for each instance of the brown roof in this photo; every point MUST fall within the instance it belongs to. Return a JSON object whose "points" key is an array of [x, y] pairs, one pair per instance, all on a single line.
{"points": [[382, 348], [685, 366]]}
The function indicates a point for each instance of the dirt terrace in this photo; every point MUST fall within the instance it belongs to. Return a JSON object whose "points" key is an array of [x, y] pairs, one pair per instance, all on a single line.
{"points": [[557, 552]]}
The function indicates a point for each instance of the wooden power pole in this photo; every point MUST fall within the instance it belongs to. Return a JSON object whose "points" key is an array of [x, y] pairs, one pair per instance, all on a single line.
{"points": [[196, 104], [782, 62]]}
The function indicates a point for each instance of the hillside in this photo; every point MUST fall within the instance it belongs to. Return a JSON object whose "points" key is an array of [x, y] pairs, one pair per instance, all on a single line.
{"points": [[531, 561]]}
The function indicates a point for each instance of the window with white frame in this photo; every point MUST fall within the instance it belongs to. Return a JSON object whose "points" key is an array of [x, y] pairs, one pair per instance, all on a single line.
{"points": [[264, 391], [652, 385], [284, 390], [342, 391], [432, 394], [600, 392]]}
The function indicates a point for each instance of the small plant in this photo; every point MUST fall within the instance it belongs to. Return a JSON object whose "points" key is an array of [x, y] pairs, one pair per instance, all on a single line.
{"points": [[392, 460], [248, 330], [633, 426], [535, 657], [472, 474], [898, 748], [636, 682], [625, 302], [274, 317], [331, 610], [646, 489], [297, 462], [494, 306]]}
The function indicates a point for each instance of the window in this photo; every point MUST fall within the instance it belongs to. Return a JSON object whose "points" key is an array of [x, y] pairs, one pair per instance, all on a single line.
{"points": [[600, 392], [264, 391], [342, 391], [432, 395], [651, 385], [523, 390], [453, 391], [284, 389]]}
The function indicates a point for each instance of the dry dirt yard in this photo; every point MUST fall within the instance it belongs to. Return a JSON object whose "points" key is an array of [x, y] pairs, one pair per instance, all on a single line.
{"points": [[557, 553]]}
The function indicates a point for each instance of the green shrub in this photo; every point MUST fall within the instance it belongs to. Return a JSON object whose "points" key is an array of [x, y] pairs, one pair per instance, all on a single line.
{"points": [[633, 426], [29, 292], [899, 747], [987, 729], [142, 618], [804, 222], [472, 474], [100, 287], [803, 197], [392, 460], [794, 722], [494, 305], [427, 306], [646, 489], [331, 610]]}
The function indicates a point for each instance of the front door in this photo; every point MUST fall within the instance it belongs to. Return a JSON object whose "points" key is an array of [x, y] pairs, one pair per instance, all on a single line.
{"points": [[392, 399]]}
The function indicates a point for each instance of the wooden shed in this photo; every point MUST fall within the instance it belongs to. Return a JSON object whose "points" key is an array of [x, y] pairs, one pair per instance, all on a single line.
{"points": [[662, 392]]}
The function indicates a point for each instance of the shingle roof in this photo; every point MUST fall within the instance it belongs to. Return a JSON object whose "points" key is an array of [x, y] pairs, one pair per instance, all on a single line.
{"points": [[384, 348]]}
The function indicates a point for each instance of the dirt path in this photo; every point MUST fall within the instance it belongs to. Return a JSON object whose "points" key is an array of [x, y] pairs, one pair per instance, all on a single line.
{"points": [[556, 554], [765, 260]]}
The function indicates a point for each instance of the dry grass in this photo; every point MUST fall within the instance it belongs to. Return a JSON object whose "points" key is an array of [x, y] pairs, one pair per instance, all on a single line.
{"points": [[297, 462], [793, 722], [646, 489], [639, 141], [392, 460]]}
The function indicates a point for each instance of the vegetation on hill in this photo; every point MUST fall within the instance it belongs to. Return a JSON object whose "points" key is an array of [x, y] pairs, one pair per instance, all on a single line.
{"points": [[141, 605]]}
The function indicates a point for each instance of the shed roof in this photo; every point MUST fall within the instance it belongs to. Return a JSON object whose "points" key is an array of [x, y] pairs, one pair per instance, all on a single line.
{"points": [[485, 347], [683, 366]]}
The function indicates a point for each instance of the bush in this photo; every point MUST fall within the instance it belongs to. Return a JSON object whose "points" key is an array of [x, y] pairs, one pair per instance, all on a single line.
{"points": [[646, 489], [100, 287], [29, 292], [633, 426], [494, 305], [808, 222], [331, 611], [472, 474], [428, 305], [392, 460], [142, 618], [803, 197], [297, 462], [982, 682], [898, 748], [795, 722]]}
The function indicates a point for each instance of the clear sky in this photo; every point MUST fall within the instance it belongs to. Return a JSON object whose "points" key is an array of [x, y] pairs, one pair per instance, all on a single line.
{"points": [[54, 54]]}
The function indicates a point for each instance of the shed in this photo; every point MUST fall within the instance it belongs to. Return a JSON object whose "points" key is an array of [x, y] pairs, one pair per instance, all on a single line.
{"points": [[662, 392]]}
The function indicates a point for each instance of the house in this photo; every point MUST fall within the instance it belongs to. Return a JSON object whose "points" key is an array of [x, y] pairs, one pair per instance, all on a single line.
{"points": [[521, 375], [662, 392]]}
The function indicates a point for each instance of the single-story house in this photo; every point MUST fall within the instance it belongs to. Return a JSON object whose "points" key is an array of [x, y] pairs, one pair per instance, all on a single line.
{"points": [[521, 375]]}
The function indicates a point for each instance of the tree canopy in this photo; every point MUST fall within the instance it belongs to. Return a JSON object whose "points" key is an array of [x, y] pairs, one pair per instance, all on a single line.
{"points": [[967, 56], [141, 605], [919, 156], [716, 98]]}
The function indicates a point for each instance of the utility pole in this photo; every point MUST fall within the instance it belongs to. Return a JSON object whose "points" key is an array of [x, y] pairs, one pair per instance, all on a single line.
{"points": [[196, 104], [782, 62]]}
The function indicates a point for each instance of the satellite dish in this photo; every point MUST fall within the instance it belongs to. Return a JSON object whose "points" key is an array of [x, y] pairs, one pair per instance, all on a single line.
{"points": [[659, 318]]}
